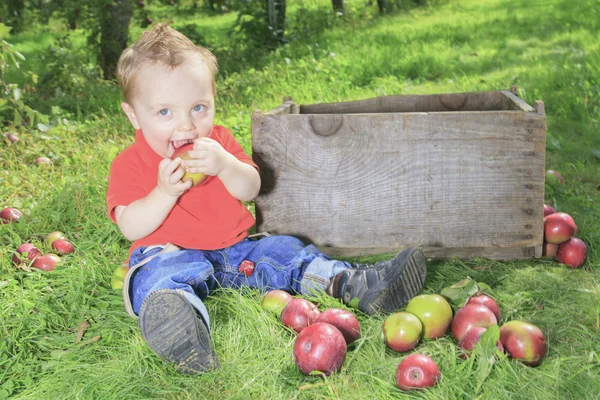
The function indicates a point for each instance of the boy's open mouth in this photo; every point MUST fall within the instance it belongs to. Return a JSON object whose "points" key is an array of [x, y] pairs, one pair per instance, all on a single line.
{"points": [[178, 143]]}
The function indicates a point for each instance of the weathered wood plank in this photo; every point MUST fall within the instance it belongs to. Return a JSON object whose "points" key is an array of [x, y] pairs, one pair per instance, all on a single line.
{"points": [[439, 180], [513, 102]]}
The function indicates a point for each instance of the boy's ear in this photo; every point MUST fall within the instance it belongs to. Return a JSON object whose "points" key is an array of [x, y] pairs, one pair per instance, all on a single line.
{"points": [[131, 115]]}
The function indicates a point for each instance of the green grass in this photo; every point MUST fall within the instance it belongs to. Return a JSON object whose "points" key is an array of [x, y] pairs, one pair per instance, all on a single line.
{"points": [[549, 49]]}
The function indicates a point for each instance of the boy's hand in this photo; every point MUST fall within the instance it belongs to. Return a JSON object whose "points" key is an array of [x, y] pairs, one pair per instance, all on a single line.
{"points": [[208, 157], [170, 173]]}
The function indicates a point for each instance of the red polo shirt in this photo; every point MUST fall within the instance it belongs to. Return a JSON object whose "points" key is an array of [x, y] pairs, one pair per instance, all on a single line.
{"points": [[206, 217]]}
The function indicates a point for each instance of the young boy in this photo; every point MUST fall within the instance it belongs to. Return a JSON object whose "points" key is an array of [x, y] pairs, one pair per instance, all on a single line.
{"points": [[188, 241]]}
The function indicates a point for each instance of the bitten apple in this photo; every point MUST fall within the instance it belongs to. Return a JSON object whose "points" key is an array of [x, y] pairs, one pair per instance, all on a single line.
{"points": [[182, 152], [10, 214], [417, 371], [63, 246], [523, 341], [26, 248], [320, 347], [402, 331], [469, 316], [298, 314], [559, 227], [345, 321], [275, 301], [487, 301], [46, 262], [433, 311], [572, 253]]}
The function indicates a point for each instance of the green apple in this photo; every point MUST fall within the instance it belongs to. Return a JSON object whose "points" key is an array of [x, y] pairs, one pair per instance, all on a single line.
{"points": [[402, 331], [434, 312], [118, 276], [52, 236], [275, 300]]}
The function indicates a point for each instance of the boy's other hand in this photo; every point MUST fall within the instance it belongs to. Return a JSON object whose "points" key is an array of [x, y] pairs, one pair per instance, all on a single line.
{"points": [[208, 157], [170, 173]]}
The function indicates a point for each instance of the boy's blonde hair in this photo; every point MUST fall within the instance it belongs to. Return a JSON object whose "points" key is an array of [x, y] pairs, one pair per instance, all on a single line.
{"points": [[160, 45]]}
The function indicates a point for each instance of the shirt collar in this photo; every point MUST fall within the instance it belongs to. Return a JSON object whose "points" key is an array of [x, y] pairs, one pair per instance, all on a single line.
{"points": [[144, 148]]}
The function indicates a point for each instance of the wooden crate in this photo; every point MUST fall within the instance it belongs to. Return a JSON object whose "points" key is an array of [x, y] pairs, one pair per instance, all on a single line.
{"points": [[459, 175]]}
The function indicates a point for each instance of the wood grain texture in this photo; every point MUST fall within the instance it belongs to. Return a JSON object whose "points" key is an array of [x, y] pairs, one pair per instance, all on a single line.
{"points": [[463, 183]]}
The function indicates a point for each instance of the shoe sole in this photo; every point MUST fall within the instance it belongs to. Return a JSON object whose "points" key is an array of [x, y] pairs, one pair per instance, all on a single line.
{"points": [[173, 329], [397, 289]]}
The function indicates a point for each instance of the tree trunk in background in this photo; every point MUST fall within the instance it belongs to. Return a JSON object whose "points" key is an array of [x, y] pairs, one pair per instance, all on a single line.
{"points": [[382, 5], [15, 15], [276, 20], [338, 5], [114, 30]]}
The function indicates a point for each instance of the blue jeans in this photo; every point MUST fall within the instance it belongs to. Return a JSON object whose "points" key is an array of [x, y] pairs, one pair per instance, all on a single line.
{"points": [[280, 262]]}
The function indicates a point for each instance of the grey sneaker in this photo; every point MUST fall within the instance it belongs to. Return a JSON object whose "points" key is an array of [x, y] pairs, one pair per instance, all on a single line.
{"points": [[385, 286], [175, 331]]}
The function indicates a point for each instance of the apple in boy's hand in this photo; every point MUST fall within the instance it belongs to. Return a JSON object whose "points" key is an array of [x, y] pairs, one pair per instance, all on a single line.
{"points": [[433, 311], [46, 262], [26, 248], [53, 236], [345, 321], [298, 314], [553, 178], [487, 301], [417, 371], [469, 316], [319, 347], [10, 214], [573, 252], [63, 246], [402, 331], [182, 152], [523, 341], [118, 276], [548, 210], [559, 227], [275, 301]]}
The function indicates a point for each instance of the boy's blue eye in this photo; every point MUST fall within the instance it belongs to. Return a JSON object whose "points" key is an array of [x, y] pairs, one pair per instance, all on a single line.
{"points": [[164, 112], [198, 108]]}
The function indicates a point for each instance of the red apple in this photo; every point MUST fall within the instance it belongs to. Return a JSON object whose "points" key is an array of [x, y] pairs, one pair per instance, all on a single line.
{"points": [[40, 161], [417, 371], [549, 250], [559, 227], [487, 301], [275, 300], [553, 178], [402, 331], [9, 214], [63, 246], [548, 210], [573, 252], [471, 338], [298, 314], [182, 152], [469, 316], [47, 262], [11, 137], [320, 347], [26, 248], [523, 341], [118, 276], [52, 236], [345, 321], [433, 311]]}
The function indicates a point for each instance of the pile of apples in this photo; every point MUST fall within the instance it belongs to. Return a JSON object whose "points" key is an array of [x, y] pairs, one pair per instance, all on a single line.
{"points": [[560, 230], [28, 255]]}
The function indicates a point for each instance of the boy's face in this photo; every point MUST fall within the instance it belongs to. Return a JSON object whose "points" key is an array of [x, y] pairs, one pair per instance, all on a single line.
{"points": [[172, 106]]}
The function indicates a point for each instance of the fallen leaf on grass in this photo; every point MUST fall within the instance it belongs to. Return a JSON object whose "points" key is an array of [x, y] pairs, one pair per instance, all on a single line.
{"points": [[24, 267], [92, 340], [81, 328]]}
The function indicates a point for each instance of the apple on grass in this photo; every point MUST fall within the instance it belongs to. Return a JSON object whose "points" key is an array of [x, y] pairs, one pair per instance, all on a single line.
{"points": [[46, 262], [402, 331], [433, 311], [320, 347], [487, 301], [298, 314], [417, 371], [572, 253], [559, 227], [42, 161], [471, 338], [63, 246], [182, 152], [344, 321], [553, 178], [25, 253], [469, 316], [523, 341], [11, 137], [10, 214], [275, 301], [548, 210], [118, 276], [53, 236]]}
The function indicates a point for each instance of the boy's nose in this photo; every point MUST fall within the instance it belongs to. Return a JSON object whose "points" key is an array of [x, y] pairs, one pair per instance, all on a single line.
{"points": [[186, 124]]}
